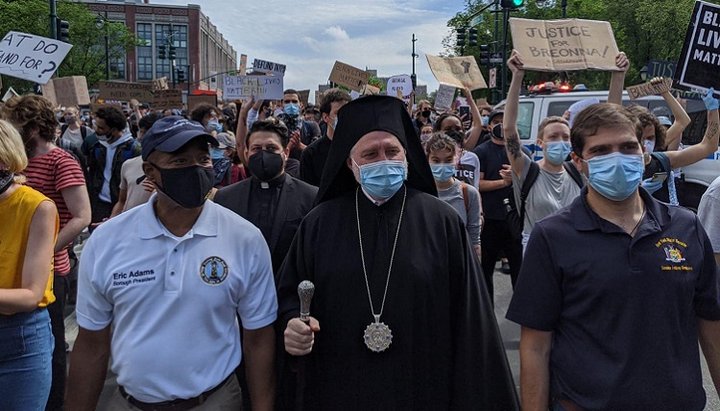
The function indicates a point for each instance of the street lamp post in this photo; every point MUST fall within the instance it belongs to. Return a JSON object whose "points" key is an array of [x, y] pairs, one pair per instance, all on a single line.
{"points": [[102, 23]]}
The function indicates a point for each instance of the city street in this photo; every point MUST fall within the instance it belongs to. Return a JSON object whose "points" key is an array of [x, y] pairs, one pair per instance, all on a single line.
{"points": [[510, 332]]}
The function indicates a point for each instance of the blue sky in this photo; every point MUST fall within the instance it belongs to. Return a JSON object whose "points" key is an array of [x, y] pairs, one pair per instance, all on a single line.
{"points": [[309, 36]]}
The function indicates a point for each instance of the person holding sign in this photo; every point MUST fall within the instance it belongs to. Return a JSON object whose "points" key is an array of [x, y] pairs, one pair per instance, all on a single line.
{"points": [[616, 288]]}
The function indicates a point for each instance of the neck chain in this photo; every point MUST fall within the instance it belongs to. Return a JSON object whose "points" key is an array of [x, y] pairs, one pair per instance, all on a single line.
{"points": [[642, 216], [378, 335]]}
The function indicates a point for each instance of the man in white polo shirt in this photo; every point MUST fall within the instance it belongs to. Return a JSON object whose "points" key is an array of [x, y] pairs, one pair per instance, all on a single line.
{"points": [[169, 278]]}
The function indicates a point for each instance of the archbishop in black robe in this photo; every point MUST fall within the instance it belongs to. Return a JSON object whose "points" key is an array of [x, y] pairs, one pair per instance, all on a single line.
{"points": [[446, 351]]}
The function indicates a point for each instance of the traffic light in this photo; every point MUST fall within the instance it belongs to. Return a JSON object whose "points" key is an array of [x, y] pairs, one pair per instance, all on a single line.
{"points": [[472, 37], [161, 53], [461, 37], [171, 54], [63, 31], [180, 76], [512, 4]]}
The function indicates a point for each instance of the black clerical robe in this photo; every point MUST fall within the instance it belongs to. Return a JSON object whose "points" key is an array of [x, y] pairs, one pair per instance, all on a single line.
{"points": [[446, 351]]}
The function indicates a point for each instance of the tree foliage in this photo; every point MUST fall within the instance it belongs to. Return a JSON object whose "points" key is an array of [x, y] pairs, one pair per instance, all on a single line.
{"points": [[87, 57], [644, 29]]}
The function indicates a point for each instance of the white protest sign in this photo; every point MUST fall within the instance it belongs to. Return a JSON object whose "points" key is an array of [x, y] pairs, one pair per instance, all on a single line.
{"points": [[262, 87], [9, 94], [570, 44], [262, 66], [399, 84], [31, 57], [444, 97]]}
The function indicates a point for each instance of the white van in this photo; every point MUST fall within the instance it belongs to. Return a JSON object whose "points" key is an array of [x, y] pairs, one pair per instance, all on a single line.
{"points": [[534, 108]]}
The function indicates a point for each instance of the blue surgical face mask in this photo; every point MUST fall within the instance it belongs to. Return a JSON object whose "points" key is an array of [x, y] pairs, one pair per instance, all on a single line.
{"points": [[616, 176], [382, 179], [556, 151], [334, 123], [442, 171], [214, 125], [217, 153], [485, 120], [291, 109], [649, 146]]}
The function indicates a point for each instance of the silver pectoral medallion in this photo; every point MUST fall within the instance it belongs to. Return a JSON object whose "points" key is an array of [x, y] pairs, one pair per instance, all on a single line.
{"points": [[378, 336]]}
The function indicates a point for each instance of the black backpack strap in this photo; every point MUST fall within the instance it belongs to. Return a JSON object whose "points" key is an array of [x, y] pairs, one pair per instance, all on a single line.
{"points": [[530, 179], [83, 132], [63, 129], [574, 173]]}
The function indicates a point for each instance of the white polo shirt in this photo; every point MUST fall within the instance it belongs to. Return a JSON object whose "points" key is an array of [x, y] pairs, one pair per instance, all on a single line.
{"points": [[172, 301]]}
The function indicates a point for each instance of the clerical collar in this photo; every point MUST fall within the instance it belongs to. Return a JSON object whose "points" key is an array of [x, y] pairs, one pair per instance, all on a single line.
{"points": [[275, 182], [374, 201]]}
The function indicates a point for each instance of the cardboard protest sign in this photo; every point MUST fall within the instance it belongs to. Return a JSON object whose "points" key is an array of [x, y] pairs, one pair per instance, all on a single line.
{"points": [[349, 76], [699, 61], [167, 99], [243, 64], [194, 101], [460, 72], [31, 57], [370, 90], [262, 87], [160, 83], [262, 66], [67, 91], [124, 91], [444, 97], [564, 45], [399, 84], [304, 95], [648, 89]]}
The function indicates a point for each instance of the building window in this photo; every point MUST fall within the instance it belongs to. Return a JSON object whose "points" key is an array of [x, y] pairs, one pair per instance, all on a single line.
{"points": [[177, 36], [145, 52]]}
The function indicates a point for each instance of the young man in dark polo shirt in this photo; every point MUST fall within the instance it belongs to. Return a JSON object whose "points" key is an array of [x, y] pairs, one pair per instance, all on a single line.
{"points": [[616, 289]]}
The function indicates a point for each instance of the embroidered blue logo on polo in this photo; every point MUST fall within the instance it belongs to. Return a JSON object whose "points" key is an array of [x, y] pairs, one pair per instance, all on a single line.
{"points": [[673, 250], [673, 254], [214, 270]]}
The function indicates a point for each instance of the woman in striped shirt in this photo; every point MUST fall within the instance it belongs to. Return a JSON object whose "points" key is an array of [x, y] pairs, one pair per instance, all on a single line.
{"points": [[58, 175]]}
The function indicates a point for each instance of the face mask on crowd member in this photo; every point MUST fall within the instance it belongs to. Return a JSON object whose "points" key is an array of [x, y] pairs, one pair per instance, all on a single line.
{"points": [[378, 163], [267, 149], [443, 154], [425, 133], [109, 124], [177, 160], [291, 103], [70, 115], [554, 138]]}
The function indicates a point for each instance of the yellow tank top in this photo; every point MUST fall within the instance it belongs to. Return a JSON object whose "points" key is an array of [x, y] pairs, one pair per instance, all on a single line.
{"points": [[16, 213]]}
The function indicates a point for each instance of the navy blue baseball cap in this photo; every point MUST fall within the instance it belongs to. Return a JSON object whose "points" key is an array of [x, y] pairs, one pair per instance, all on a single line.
{"points": [[170, 133]]}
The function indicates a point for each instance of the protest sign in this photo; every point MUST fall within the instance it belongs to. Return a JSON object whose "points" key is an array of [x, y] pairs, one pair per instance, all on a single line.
{"points": [[31, 57], [262, 87], [166, 99], [401, 84], [160, 83], [699, 61], [243, 64], [268, 67], [370, 90], [95, 106], [304, 95], [194, 101], [460, 72], [444, 97], [648, 89], [124, 91], [563, 45], [349, 76], [10, 93], [67, 91]]}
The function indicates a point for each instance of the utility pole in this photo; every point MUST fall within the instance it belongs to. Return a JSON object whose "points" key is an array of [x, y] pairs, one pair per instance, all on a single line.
{"points": [[563, 4], [413, 76], [53, 19]]}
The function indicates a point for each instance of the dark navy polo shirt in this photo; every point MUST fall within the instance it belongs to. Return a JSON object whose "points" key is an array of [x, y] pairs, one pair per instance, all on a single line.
{"points": [[622, 310], [492, 157]]}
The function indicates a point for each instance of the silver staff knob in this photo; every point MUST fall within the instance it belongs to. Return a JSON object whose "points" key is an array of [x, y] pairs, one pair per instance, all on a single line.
{"points": [[306, 289]]}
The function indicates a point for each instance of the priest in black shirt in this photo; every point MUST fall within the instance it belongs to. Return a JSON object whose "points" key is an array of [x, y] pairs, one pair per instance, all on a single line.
{"points": [[401, 317], [271, 199], [314, 156]]}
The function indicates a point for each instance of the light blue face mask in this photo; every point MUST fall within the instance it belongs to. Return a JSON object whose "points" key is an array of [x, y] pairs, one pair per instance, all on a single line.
{"points": [[616, 176], [217, 153], [291, 109], [485, 120], [557, 151], [442, 172], [214, 125], [334, 123], [382, 179]]}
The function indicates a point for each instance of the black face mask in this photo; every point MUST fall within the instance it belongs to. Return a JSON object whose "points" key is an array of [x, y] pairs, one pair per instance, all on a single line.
{"points": [[187, 186], [425, 113], [265, 165], [6, 180], [497, 132]]}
